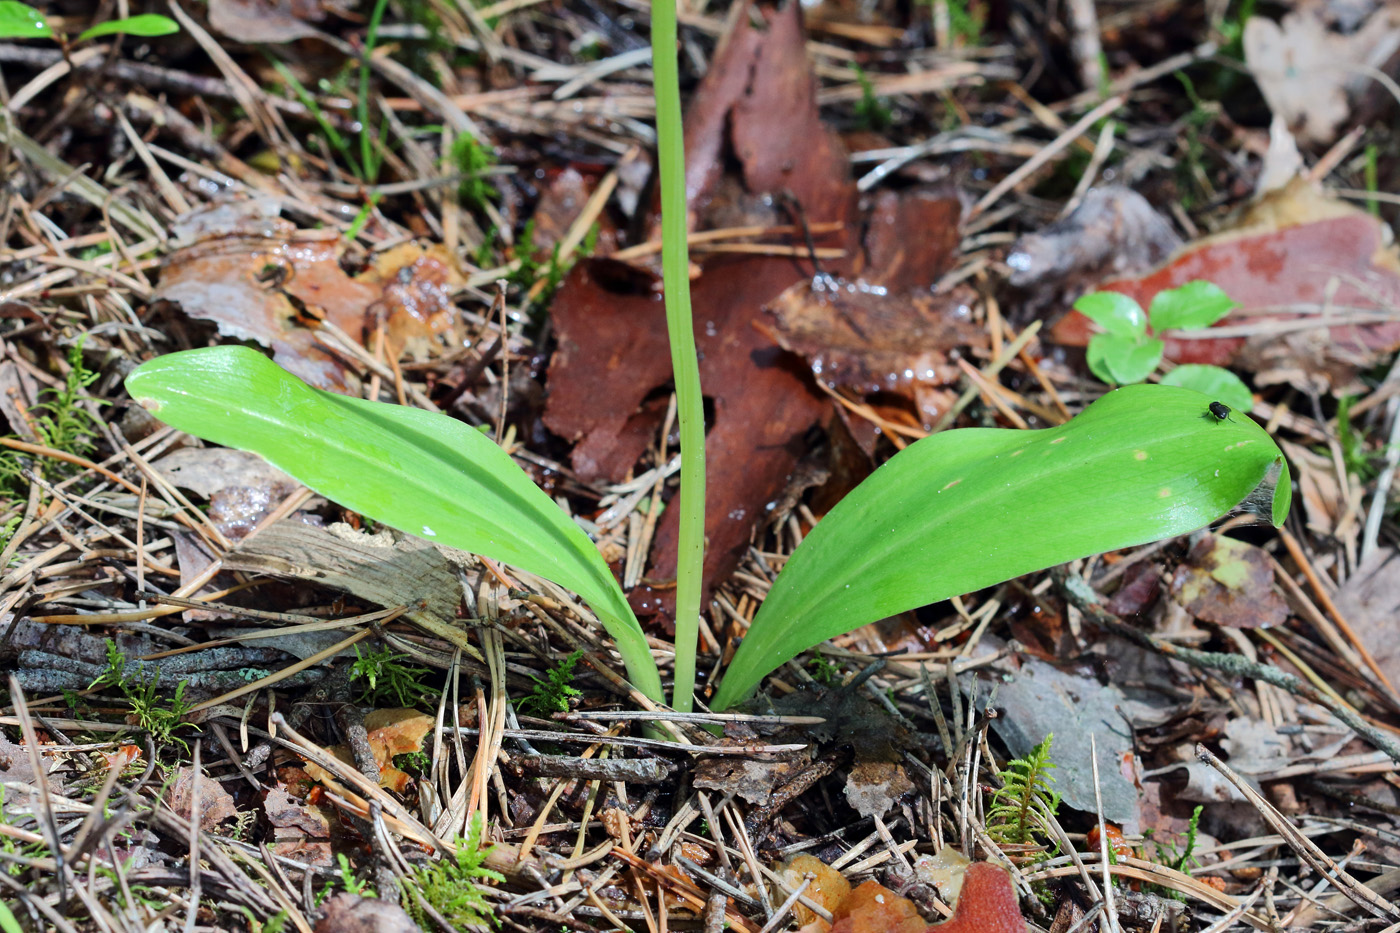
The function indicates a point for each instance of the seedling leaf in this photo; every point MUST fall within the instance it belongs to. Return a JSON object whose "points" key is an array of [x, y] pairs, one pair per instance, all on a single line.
{"points": [[22, 21], [147, 24], [1131, 362], [419, 471], [967, 509], [1191, 307], [1220, 384], [1115, 313]]}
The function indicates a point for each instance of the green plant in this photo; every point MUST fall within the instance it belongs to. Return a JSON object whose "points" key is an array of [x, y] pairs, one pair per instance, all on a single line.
{"points": [[452, 885], [472, 159], [1142, 463], [871, 112], [690, 413], [60, 421], [388, 679], [1017, 813], [349, 882], [22, 21], [553, 695], [823, 670], [1128, 350], [157, 714]]}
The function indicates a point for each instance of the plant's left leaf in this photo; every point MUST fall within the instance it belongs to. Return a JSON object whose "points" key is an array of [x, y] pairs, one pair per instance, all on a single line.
{"points": [[147, 24], [962, 510], [22, 21], [419, 471]]}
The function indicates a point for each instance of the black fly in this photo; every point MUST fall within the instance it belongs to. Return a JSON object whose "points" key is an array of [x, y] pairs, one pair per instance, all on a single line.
{"points": [[1220, 411]]}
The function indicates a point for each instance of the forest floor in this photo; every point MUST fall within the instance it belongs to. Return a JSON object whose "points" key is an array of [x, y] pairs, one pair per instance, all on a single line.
{"points": [[232, 705]]}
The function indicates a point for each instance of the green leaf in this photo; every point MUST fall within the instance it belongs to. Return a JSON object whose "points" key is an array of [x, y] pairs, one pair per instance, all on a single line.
{"points": [[967, 509], [22, 21], [1115, 313], [1193, 306], [8, 922], [1123, 360], [419, 471], [1137, 363], [1220, 384], [147, 24]]}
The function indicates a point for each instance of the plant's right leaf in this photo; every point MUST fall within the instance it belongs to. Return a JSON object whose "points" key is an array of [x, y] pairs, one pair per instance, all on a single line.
{"points": [[1220, 384], [147, 24], [419, 471], [1192, 306], [1116, 314], [22, 21], [962, 510]]}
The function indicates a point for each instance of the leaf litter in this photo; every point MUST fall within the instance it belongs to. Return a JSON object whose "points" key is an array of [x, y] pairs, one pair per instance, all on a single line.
{"points": [[847, 298]]}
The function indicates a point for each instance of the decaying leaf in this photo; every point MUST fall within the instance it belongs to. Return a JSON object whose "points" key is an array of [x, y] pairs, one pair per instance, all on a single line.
{"points": [[273, 21], [1317, 285], [1370, 601], [391, 732], [751, 779], [259, 278], [353, 913], [1307, 72], [214, 802], [829, 888], [986, 904], [241, 486], [873, 788], [1229, 582]]}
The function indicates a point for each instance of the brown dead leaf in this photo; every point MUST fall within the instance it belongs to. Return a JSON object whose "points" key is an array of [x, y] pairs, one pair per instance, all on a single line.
{"points": [[351, 913], [241, 486], [215, 803], [829, 888], [752, 779], [391, 732], [874, 787], [859, 336], [1315, 281], [1229, 582], [272, 21], [261, 279], [286, 812], [416, 285], [1308, 73], [986, 904], [1114, 232], [1370, 601]]}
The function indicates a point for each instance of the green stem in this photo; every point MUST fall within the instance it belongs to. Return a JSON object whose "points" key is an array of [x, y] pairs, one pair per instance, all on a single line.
{"points": [[675, 268]]}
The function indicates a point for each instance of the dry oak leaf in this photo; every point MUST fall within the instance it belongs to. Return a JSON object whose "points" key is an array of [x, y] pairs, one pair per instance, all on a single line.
{"points": [[1229, 582]]}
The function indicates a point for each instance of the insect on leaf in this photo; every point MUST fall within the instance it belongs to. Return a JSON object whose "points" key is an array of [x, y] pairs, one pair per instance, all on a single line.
{"points": [[1218, 383], [967, 509], [421, 472]]}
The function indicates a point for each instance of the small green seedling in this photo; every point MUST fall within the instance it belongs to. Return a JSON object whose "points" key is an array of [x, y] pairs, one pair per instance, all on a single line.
{"points": [[1129, 351], [1019, 807], [22, 21]]}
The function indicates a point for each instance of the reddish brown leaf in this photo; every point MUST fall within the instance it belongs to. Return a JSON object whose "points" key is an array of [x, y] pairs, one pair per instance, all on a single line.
{"points": [[987, 904], [1335, 266]]}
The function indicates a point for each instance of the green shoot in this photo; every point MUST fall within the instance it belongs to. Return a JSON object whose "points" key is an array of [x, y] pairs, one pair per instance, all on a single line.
{"points": [[871, 113], [157, 714], [675, 269], [388, 680], [1017, 814], [1372, 171], [452, 885], [60, 421], [553, 695], [472, 159], [1128, 350]]}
